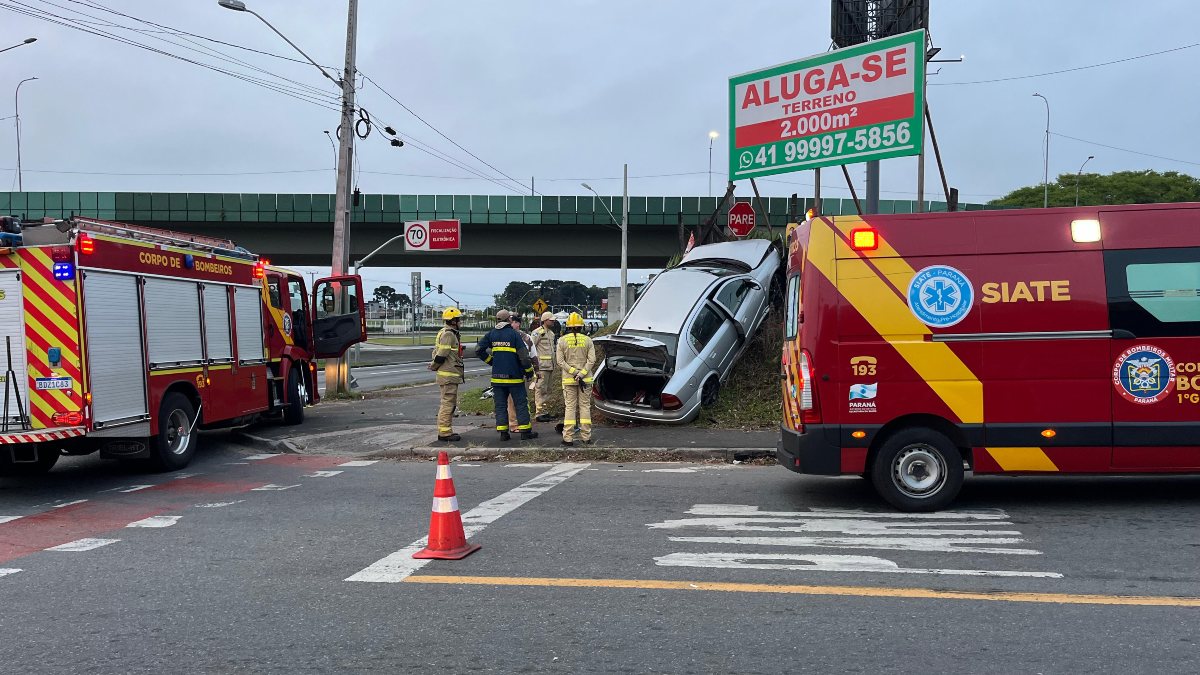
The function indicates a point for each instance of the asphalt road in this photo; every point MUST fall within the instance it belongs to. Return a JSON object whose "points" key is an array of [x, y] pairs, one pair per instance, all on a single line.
{"points": [[374, 378], [296, 563]]}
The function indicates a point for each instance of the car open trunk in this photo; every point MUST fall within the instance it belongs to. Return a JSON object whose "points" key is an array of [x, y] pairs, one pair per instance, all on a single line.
{"points": [[635, 369]]}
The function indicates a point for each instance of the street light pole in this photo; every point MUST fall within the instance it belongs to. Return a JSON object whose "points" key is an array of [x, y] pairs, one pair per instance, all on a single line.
{"points": [[362, 261], [337, 373], [1080, 173], [712, 136], [17, 114], [623, 224], [24, 42], [1046, 156]]}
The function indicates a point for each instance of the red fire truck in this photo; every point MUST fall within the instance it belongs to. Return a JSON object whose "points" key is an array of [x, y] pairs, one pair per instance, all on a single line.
{"points": [[1051, 341], [126, 340]]}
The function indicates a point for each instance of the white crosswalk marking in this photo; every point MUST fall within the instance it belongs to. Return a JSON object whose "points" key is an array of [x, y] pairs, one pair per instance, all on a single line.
{"points": [[7, 571], [360, 462], [272, 486], [8, 519], [322, 474], [83, 545], [155, 521], [986, 532]]}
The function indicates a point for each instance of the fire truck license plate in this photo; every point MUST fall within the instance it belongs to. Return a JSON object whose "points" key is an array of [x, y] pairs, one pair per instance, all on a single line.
{"points": [[44, 383]]}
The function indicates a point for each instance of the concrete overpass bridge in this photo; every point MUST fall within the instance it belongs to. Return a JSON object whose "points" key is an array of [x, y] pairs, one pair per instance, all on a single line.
{"points": [[561, 232]]}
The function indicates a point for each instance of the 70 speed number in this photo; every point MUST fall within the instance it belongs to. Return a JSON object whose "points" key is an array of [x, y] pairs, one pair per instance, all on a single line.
{"points": [[839, 146]]}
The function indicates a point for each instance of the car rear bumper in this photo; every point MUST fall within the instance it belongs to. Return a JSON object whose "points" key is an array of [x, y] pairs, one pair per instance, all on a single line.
{"points": [[816, 451], [646, 414]]}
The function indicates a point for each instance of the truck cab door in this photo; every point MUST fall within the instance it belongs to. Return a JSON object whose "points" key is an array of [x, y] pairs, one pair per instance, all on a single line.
{"points": [[339, 316]]}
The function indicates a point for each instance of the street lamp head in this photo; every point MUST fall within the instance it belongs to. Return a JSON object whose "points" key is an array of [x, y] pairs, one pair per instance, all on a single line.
{"points": [[1091, 157], [30, 40], [235, 5], [587, 187], [713, 134]]}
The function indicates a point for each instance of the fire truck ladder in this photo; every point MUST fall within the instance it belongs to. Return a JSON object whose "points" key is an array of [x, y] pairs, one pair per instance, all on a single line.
{"points": [[226, 247]]}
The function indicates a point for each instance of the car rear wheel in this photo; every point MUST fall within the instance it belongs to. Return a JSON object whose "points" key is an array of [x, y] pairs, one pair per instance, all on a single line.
{"points": [[711, 392], [918, 470]]}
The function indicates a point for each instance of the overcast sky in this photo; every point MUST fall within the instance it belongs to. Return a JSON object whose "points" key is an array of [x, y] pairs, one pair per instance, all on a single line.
{"points": [[566, 90]]}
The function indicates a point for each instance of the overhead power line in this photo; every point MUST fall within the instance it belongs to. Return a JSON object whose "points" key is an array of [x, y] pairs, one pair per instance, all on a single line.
{"points": [[1132, 152], [439, 131], [49, 17], [1065, 70]]}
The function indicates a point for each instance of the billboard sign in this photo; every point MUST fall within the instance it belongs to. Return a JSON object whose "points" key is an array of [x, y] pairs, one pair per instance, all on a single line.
{"points": [[850, 105], [432, 235]]}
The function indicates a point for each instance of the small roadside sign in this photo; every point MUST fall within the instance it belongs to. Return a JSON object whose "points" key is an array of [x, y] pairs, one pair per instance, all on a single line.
{"points": [[540, 306], [432, 235], [741, 218]]}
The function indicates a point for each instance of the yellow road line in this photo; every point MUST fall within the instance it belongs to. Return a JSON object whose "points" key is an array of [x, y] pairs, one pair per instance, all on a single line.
{"points": [[857, 591]]}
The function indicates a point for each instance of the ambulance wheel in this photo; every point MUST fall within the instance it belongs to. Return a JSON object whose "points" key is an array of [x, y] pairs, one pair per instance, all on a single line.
{"points": [[918, 470], [293, 412], [175, 444], [46, 459]]}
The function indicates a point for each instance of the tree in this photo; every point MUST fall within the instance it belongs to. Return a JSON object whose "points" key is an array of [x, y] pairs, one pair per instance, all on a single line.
{"points": [[515, 292], [1121, 187], [401, 300], [385, 295]]}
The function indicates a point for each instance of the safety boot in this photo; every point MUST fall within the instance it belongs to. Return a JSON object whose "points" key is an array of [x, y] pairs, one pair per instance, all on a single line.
{"points": [[504, 436], [528, 435], [450, 438], [568, 443]]}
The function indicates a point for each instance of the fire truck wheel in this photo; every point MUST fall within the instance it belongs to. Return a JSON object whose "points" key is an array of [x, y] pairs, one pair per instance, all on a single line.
{"points": [[293, 412], [46, 459], [918, 470], [175, 443]]}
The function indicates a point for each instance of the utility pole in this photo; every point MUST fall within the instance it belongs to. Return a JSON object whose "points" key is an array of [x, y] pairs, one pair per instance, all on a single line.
{"points": [[337, 373], [625, 248]]}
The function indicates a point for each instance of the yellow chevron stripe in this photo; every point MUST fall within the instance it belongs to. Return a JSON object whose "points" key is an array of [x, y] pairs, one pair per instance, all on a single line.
{"points": [[891, 318], [1022, 459], [55, 319], [48, 284]]}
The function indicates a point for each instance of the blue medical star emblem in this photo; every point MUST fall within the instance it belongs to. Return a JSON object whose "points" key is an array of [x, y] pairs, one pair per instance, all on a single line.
{"points": [[939, 296]]}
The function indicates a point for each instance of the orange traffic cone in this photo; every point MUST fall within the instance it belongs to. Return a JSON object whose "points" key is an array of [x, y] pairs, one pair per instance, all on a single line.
{"points": [[447, 541]]}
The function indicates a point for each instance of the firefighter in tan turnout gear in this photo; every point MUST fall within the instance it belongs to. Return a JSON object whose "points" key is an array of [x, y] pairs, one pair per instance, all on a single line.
{"points": [[577, 359], [543, 344], [448, 365]]}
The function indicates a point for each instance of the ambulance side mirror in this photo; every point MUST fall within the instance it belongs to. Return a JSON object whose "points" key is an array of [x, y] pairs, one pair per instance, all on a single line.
{"points": [[339, 318]]}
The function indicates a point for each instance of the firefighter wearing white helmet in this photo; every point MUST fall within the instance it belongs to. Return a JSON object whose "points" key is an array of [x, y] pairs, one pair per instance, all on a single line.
{"points": [[448, 366], [543, 344], [577, 358]]}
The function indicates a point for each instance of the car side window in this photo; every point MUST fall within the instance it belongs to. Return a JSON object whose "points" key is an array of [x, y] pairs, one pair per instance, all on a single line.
{"points": [[733, 294], [706, 325]]}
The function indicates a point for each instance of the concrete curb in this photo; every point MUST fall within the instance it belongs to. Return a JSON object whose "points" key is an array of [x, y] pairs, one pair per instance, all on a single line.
{"points": [[684, 454]]}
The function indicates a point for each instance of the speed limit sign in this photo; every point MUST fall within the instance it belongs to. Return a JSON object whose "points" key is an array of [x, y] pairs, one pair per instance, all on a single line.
{"points": [[432, 235], [416, 236]]}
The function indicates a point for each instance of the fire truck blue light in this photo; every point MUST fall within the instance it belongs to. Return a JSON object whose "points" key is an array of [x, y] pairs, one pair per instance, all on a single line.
{"points": [[64, 271]]}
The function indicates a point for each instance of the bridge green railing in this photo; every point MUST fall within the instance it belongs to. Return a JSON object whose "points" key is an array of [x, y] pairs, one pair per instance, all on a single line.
{"points": [[379, 208]]}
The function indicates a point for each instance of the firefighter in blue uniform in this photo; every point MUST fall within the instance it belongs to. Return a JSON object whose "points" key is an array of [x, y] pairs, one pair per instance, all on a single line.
{"points": [[505, 350]]}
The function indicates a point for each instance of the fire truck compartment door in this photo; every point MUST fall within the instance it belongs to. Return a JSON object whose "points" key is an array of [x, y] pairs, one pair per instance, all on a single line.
{"points": [[248, 315], [12, 324], [173, 322], [116, 368], [341, 319]]}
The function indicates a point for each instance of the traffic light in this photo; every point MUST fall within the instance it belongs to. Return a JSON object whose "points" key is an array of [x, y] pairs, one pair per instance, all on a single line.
{"points": [[428, 287], [439, 288]]}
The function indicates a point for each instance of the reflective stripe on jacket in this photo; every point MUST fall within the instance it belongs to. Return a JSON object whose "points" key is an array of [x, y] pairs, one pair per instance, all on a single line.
{"points": [[504, 350], [448, 345], [577, 357], [543, 343]]}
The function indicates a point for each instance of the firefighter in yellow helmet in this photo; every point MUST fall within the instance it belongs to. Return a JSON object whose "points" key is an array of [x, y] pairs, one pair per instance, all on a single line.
{"points": [[543, 344], [448, 366], [577, 358]]}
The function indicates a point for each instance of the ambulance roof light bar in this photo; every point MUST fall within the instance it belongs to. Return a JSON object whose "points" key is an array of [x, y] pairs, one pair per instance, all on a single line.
{"points": [[864, 239], [1085, 231]]}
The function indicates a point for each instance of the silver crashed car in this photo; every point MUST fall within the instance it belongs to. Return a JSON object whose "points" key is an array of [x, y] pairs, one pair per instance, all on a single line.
{"points": [[683, 335]]}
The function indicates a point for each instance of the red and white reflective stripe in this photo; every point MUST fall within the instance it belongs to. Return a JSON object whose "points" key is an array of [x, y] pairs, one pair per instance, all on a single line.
{"points": [[41, 437], [443, 472], [445, 504]]}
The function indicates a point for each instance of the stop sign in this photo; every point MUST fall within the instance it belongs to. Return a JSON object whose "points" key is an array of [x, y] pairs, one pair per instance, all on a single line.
{"points": [[741, 218]]}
